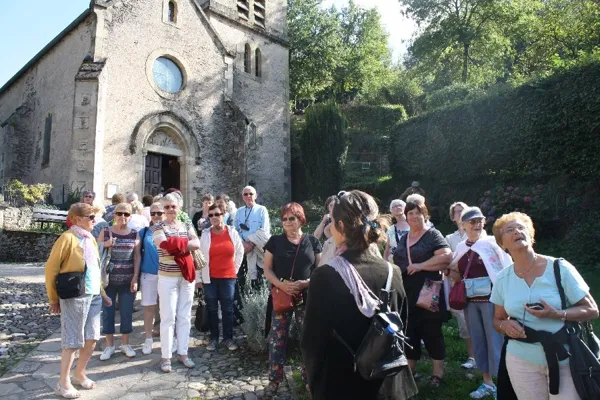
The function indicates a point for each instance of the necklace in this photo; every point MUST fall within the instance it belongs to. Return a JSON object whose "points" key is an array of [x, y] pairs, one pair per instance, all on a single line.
{"points": [[528, 269]]}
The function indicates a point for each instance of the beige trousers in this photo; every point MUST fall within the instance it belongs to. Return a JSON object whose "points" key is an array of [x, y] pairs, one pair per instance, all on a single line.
{"points": [[530, 381]]}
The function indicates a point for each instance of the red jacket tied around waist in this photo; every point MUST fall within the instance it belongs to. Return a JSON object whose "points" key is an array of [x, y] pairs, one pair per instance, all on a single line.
{"points": [[177, 247]]}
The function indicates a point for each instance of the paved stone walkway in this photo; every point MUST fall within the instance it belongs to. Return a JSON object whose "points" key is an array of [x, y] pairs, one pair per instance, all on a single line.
{"points": [[221, 374]]}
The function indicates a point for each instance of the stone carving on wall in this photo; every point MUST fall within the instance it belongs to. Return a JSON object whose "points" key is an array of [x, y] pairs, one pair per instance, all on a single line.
{"points": [[161, 138]]}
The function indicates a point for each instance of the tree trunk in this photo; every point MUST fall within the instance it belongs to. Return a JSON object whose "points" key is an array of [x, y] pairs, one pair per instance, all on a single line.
{"points": [[465, 71]]}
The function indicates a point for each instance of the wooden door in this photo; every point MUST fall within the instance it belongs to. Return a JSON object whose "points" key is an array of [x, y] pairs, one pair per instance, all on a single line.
{"points": [[152, 176]]}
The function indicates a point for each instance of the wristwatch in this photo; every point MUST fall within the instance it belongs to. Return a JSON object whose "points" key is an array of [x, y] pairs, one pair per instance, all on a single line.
{"points": [[564, 316]]}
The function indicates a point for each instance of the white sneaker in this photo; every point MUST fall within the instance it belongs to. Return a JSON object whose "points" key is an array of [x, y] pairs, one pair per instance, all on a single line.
{"points": [[127, 350], [108, 352], [147, 349], [174, 346], [469, 364]]}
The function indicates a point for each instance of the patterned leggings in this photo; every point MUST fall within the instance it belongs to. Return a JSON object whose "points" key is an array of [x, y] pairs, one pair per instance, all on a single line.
{"points": [[277, 339]]}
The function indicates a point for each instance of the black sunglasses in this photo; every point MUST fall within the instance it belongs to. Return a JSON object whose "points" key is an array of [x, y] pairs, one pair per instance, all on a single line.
{"points": [[214, 215], [156, 213], [90, 217], [291, 219], [248, 194], [123, 214]]}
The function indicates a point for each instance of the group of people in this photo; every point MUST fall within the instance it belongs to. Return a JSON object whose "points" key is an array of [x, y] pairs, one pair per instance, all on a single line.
{"points": [[325, 288]]}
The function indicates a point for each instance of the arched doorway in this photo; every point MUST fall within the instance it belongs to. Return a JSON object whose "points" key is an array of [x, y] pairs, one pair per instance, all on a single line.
{"points": [[163, 158]]}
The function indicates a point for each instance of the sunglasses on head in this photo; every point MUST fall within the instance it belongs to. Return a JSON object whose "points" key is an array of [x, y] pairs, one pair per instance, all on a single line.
{"points": [[248, 194], [156, 213], [170, 207], [122, 214], [214, 215], [291, 219]]}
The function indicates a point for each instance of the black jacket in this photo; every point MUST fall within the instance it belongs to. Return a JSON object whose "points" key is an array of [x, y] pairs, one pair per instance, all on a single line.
{"points": [[330, 306]]}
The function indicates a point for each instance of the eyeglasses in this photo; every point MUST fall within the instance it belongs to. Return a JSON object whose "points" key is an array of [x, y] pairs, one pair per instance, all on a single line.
{"points": [[156, 213], [88, 196], [170, 207], [477, 221], [214, 215], [513, 229], [248, 194], [123, 214], [291, 219], [90, 217]]}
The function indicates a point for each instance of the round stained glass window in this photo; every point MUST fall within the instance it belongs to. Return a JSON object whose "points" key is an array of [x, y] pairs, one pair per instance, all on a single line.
{"points": [[167, 75]]}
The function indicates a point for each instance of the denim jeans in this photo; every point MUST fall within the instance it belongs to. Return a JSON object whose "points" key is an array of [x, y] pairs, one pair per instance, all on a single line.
{"points": [[126, 298], [220, 290]]}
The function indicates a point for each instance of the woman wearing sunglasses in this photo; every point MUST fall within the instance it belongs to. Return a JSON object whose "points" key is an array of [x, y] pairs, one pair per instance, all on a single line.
{"points": [[223, 251], [76, 251], [149, 273], [289, 261], [477, 261], [123, 280], [176, 280]]}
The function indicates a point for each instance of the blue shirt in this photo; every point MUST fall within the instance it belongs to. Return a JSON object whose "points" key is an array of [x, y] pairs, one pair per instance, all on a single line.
{"points": [[92, 276], [512, 292], [254, 218], [150, 254]]}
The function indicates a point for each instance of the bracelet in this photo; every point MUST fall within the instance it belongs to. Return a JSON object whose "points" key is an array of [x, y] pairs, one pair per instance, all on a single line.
{"points": [[564, 317]]}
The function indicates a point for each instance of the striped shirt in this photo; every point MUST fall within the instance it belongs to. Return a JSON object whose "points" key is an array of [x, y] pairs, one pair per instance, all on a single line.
{"points": [[161, 231], [121, 257]]}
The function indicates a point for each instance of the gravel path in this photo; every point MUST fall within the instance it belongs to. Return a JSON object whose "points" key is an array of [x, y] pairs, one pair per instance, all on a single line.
{"points": [[30, 351]]}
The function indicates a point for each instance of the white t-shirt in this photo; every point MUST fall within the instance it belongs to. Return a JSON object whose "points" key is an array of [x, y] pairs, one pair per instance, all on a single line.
{"points": [[137, 222], [454, 239]]}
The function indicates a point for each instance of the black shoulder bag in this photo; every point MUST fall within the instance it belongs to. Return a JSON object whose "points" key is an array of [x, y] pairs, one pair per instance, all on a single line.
{"points": [[381, 352], [584, 348]]}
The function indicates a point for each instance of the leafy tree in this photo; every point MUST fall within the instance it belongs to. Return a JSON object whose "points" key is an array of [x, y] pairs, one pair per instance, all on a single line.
{"points": [[324, 147]]}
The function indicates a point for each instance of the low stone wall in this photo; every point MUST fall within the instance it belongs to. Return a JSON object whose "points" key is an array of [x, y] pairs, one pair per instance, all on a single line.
{"points": [[15, 219], [19, 246]]}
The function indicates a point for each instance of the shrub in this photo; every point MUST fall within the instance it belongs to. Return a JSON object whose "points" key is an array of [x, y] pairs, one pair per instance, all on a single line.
{"points": [[254, 314], [24, 194], [530, 200]]}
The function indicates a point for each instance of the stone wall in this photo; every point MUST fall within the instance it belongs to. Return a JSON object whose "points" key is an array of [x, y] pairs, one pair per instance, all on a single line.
{"points": [[15, 219], [25, 246]]}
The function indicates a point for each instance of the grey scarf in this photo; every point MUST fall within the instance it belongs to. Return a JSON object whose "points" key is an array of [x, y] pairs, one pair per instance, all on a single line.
{"points": [[365, 299]]}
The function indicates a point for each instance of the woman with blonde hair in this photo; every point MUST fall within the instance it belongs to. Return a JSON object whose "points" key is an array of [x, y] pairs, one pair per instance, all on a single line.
{"points": [[123, 280], [74, 258], [177, 278], [528, 308], [137, 221]]}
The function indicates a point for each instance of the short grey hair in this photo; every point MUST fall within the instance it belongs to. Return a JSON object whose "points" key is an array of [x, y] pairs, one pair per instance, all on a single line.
{"points": [[158, 205], [416, 198], [132, 197], [171, 198], [249, 188], [396, 202], [454, 205]]}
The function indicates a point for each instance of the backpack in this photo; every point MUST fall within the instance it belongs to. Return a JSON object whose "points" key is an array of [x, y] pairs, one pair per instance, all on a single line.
{"points": [[381, 352]]}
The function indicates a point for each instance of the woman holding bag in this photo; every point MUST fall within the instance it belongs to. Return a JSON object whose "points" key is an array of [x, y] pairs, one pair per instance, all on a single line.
{"points": [[477, 262], [74, 259], [289, 260], [429, 254]]}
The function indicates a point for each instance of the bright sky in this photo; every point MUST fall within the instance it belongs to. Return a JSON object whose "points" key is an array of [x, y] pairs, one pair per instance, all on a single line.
{"points": [[27, 26], [399, 28]]}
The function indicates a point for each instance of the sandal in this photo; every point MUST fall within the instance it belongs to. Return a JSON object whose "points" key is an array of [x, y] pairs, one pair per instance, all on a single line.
{"points": [[187, 363], [87, 383], [435, 381], [165, 366], [66, 393], [270, 390]]}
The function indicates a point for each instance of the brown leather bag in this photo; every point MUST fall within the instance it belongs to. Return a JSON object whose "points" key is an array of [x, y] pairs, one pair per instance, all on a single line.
{"points": [[283, 302]]}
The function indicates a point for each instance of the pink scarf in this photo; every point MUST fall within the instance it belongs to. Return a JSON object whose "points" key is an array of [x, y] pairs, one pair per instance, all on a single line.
{"points": [[88, 244]]}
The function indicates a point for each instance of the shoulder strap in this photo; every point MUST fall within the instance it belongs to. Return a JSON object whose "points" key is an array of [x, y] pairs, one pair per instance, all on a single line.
{"points": [[296, 256], [558, 278], [388, 283], [471, 258]]}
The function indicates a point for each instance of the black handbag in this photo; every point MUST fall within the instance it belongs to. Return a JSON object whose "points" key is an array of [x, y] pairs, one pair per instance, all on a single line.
{"points": [[201, 322], [584, 348], [71, 284]]}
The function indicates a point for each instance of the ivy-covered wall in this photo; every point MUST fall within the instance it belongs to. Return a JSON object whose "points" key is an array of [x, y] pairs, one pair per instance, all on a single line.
{"points": [[539, 142]]}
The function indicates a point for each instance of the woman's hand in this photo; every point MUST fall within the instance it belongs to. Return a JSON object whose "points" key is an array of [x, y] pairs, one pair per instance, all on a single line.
{"points": [[547, 312], [199, 284], [325, 219], [303, 285], [414, 268], [54, 308], [134, 284], [291, 288], [107, 301], [513, 329], [109, 242]]}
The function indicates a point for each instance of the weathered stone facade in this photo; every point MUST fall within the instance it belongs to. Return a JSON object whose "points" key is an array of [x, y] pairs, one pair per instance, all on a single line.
{"points": [[226, 126]]}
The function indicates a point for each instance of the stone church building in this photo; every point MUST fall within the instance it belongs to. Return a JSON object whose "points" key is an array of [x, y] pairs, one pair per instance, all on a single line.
{"points": [[144, 95]]}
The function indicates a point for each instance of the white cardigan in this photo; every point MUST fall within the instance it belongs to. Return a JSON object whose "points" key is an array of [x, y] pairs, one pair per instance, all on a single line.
{"points": [[238, 254], [494, 258]]}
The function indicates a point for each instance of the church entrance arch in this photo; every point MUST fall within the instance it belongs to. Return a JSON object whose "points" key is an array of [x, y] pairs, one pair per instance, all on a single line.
{"points": [[162, 162]]}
